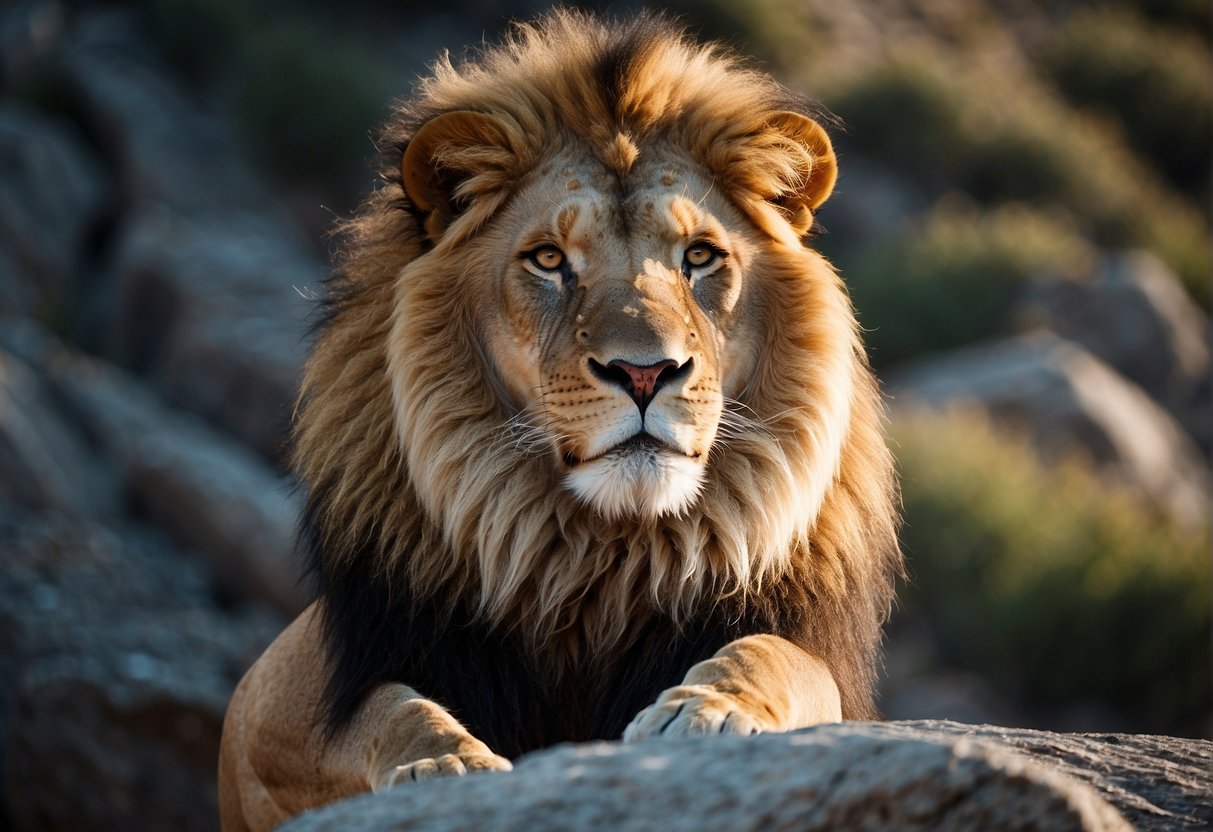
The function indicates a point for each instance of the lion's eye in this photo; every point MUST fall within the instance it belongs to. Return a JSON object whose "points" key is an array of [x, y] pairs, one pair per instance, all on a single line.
{"points": [[547, 258], [698, 255]]}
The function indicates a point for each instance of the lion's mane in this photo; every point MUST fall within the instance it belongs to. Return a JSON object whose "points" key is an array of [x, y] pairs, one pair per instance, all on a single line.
{"points": [[467, 550]]}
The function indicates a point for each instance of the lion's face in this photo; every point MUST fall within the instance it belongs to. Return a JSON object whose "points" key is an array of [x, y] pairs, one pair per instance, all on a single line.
{"points": [[619, 318]]}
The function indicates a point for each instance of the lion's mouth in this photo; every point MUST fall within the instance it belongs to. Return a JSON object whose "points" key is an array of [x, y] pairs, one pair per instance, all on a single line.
{"points": [[639, 443], [642, 475]]}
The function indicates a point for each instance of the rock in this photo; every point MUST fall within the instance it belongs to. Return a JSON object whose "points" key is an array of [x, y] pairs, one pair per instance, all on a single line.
{"points": [[1134, 315], [44, 461], [161, 145], [208, 493], [1067, 400], [51, 193], [28, 30], [200, 281], [118, 669], [914, 775], [213, 312]]}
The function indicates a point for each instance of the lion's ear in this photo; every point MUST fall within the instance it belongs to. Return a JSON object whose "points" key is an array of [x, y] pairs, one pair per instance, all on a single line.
{"points": [[799, 204], [441, 159]]}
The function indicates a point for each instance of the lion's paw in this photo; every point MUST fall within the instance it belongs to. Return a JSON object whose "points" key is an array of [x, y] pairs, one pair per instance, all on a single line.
{"points": [[692, 711], [448, 765]]}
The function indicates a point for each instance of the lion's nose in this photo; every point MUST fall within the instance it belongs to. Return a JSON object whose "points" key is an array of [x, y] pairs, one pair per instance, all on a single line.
{"points": [[641, 381]]}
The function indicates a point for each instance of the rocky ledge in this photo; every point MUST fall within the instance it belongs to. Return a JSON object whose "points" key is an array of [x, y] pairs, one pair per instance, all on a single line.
{"points": [[896, 775]]}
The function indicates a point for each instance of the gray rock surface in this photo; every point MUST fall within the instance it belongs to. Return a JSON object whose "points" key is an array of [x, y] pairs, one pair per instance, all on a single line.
{"points": [[44, 461], [213, 311], [162, 145], [116, 667], [210, 494], [51, 192], [1134, 315], [914, 775], [202, 281], [1066, 400]]}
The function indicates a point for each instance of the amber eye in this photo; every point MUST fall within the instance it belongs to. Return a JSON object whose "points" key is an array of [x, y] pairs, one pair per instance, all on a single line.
{"points": [[547, 258], [698, 255]]}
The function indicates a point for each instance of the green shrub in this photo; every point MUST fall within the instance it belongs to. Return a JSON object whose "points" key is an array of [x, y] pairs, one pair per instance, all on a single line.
{"points": [[1054, 587], [1156, 83], [204, 39], [305, 94], [310, 101], [1194, 15], [951, 280], [953, 128]]}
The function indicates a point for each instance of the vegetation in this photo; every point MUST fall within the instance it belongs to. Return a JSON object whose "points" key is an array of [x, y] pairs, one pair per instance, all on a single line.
{"points": [[306, 95], [950, 279], [948, 129], [1152, 83], [1050, 584]]}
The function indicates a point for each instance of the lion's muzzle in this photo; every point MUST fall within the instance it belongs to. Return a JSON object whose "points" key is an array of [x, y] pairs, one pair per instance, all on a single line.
{"points": [[641, 382]]}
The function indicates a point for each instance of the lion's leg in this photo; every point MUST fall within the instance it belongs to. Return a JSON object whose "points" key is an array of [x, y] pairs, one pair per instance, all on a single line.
{"points": [[276, 760], [757, 683]]}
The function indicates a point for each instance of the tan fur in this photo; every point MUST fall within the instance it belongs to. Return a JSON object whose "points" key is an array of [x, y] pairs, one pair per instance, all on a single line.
{"points": [[447, 412], [272, 767]]}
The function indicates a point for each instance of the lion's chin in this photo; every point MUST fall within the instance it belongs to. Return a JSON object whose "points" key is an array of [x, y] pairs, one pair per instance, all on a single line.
{"points": [[635, 481]]}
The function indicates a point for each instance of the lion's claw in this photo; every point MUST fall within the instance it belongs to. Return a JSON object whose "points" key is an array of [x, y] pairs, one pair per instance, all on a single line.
{"points": [[448, 765], [691, 710]]}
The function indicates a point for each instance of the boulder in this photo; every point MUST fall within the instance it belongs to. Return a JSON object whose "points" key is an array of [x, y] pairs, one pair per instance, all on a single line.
{"points": [[213, 311], [116, 667], [203, 283], [1066, 400], [912, 775], [52, 192], [211, 495], [1134, 314], [160, 144], [45, 461], [28, 30], [15, 295]]}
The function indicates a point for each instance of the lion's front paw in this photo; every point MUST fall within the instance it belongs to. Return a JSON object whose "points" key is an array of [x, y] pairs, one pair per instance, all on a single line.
{"points": [[692, 710], [448, 765]]}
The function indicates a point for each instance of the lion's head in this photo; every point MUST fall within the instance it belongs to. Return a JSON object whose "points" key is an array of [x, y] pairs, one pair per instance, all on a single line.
{"points": [[580, 366], [619, 298]]}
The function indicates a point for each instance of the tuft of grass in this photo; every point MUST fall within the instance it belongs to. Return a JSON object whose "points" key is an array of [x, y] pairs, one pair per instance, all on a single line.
{"points": [[1053, 586]]}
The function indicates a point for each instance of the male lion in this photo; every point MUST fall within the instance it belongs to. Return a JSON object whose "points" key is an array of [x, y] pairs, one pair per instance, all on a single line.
{"points": [[590, 442]]}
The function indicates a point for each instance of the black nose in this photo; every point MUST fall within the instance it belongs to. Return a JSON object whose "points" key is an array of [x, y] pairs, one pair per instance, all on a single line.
{"points": [[641, 381]]}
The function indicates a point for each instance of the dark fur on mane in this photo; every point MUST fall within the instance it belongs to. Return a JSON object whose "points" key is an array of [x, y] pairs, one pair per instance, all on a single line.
{"points": [[505, 694]]}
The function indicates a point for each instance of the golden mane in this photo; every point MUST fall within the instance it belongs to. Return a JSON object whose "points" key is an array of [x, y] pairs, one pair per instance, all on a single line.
{"points": [[403, 442]]}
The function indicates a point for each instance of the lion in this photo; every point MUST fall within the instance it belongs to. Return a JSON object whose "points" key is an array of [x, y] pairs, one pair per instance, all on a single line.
{"points": [[590, 442]]}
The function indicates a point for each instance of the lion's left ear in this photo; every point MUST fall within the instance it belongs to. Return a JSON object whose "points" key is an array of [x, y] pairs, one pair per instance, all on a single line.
{"points": [[799, 204], [451, 158]]}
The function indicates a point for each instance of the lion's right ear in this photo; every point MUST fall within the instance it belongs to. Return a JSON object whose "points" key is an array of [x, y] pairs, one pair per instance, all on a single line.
{"points": [[451, 159], [800, 203]]}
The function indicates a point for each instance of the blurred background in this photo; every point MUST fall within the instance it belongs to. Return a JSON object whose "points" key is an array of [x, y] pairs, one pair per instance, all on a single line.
{"points": [[1023, 219]]}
